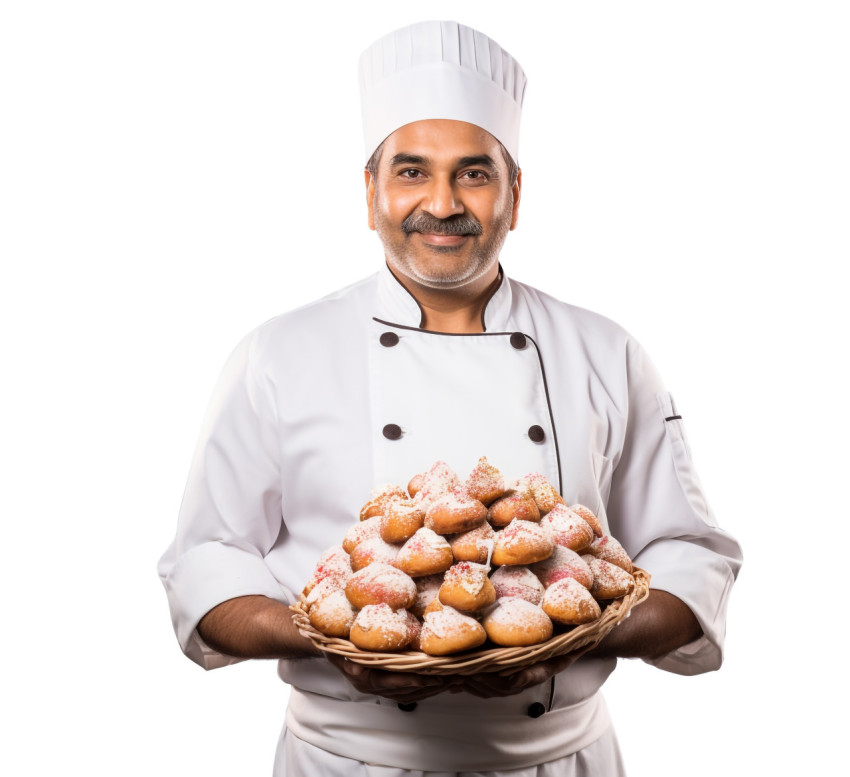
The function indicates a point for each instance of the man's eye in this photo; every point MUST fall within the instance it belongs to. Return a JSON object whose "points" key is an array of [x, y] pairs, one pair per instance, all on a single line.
{"points": [[474, 175], [411, 174]]}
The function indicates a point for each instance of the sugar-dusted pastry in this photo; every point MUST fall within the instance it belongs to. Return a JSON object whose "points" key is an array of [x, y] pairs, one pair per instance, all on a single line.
{"points": [[334, 562], [415, 484], [427, 589], [438, 481], [379, 498], [425, 553], [474, 545], [610, 550], [541, 490], [568, 529], [371, 551], [515, 505], [378, 627], [568, 602], [449, 631], [401, 520], [363, 530], [333, 614], [514, 622], [466, 587], [522, 542], [563, 563], [485, 483], [609, 581], [519, 582], [590, 517], [455, 512], [381, 584]]}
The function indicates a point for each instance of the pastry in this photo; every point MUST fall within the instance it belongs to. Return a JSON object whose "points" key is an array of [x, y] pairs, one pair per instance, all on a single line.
{"points": [[378, 627], [485, 483], [466, 587], [518, 582], [455, 512], [373, 550], [474, 545], [333, 614], [609, 581], [364, 530], [379, 498], [381, 584], [568, 602], [563, 563], [514, 505], [425, 553], [514, 622], [522, 542], [401, 520], [449, 631], [568, 529]]}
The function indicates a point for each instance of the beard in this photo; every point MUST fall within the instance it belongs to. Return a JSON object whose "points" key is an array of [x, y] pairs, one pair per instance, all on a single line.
{"points": [[442, 267]]}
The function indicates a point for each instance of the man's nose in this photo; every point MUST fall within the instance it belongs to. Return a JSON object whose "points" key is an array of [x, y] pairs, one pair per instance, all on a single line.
{"points": [[441, 200]]}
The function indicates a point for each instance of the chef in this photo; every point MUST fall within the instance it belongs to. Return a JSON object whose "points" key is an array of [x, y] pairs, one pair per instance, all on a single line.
{"points": [[439, 356]]}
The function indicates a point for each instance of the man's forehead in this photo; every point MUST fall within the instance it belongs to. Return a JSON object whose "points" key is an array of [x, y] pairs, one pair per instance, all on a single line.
{"points": [[441, 140]]}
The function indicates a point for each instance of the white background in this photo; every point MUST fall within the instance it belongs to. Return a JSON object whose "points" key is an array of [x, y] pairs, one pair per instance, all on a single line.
{"points": [[174, 173]]}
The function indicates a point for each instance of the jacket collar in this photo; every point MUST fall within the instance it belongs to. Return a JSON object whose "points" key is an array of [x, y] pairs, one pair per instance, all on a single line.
{"points": [[397, 305]]}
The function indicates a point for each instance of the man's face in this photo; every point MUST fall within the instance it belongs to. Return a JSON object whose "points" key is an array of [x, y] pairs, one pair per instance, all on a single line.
{"points": [[442, 202]]}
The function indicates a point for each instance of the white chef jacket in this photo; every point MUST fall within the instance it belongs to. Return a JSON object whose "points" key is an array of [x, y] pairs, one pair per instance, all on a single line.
{"points": [[319, 405]]}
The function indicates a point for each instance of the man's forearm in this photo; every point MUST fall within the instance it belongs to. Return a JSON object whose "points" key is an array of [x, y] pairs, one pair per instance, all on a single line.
{"points": [[254, 627], [660, 624]]}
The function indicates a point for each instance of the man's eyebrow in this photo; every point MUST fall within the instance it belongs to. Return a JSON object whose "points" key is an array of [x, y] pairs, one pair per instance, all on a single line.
{"points": [[407, 159], [481, 160]]}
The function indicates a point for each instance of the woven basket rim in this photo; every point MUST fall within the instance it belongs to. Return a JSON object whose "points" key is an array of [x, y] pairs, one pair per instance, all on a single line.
{"points": [[578, 639]]}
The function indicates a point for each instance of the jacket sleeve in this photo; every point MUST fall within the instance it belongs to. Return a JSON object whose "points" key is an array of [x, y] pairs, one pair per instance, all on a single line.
{"points": [[230, 516], [659, 513]]}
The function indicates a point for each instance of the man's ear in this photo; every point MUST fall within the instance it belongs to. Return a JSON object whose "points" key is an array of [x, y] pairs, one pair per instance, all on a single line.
{"points": [[515, 191], [370, 197]]}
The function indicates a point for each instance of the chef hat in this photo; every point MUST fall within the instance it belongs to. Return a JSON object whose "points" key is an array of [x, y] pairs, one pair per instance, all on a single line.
{"points": [[440, 70]]}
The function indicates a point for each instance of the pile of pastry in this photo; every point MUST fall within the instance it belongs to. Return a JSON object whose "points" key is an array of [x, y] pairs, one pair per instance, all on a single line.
{"points": [[447, 564]]}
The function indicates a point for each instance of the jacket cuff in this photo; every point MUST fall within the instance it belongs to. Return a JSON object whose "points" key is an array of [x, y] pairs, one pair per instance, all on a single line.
{"points": [[206, 576], [702, 580]]}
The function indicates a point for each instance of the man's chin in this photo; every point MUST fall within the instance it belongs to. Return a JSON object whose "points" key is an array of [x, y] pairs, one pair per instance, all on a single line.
{"points": [[440, 281]]}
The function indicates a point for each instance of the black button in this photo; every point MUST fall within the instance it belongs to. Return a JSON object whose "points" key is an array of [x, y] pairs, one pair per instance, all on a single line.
{"points": [[518, 340], [410, 706], [535, 433], [392, 432], [389, 339], [535, 710]]}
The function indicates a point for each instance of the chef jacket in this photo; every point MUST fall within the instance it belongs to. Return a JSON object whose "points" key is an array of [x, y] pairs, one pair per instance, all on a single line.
{"points": [[320, 405]]}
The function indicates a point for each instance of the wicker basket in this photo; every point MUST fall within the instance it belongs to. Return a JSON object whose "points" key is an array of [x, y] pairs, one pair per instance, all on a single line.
{"points": [[504, 660]]}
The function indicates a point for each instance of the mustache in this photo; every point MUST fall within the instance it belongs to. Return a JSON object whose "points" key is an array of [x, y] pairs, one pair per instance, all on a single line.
{"points": [[453, 225]]}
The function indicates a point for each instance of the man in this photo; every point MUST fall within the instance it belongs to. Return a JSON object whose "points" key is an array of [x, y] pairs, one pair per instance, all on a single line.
{"points": [[439, 356]]}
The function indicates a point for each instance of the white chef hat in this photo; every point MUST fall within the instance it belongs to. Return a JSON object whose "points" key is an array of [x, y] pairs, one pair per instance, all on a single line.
{"points": [[440, 70]]}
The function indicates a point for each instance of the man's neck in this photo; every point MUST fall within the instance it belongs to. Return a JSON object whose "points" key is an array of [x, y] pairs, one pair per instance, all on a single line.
{"points": [[454, 311]]}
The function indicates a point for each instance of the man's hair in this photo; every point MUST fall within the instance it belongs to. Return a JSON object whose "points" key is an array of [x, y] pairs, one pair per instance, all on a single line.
{"points": [[513, 168]]}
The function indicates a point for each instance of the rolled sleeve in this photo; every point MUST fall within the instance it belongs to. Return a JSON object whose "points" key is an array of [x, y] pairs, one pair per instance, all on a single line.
{"points": [[658, 510], [230, 516]]}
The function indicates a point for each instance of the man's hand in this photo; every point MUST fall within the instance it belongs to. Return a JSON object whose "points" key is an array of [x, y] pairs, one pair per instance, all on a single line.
{"points": [[490, 684], [402, 687]]}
